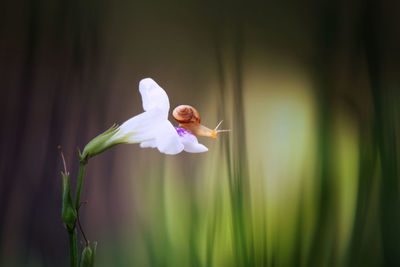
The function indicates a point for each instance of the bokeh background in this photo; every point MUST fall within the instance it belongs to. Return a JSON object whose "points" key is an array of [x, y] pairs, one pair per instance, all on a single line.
{"points": [[309, 175]]}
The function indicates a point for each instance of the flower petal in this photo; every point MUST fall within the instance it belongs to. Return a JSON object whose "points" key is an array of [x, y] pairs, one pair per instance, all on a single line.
{"points": [[191, 143], [142, 127], [195, 148], [154, 97], [168, 140], [151, 130], [151, 143]]}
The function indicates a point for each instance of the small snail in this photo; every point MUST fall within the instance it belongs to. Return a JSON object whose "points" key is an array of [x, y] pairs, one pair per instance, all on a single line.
{"points": [[189, 119]]}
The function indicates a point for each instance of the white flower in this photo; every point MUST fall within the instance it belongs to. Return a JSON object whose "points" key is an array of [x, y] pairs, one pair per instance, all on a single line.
{"points": [[152, 127]]}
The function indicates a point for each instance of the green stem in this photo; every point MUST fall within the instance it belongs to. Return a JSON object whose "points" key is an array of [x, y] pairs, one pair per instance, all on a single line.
{"points": [[73, 247], [73, 240], [79, 185]]}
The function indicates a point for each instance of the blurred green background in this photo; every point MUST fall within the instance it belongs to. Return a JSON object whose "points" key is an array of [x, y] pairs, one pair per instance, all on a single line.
{"points": [[309, 175]]}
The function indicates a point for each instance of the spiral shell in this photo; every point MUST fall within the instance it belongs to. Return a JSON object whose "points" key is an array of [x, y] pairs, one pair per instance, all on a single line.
{"points": [[186, 114]]}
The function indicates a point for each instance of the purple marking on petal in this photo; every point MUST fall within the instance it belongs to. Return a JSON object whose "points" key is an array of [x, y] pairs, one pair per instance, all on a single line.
{"points": [[182, 132]]}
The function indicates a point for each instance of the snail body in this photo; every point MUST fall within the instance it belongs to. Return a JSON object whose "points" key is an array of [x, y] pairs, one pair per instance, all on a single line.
{"points": [[189, 119]]}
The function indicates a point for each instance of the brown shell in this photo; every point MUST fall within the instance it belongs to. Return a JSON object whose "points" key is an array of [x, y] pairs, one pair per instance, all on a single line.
{"points": [[186, 114]]}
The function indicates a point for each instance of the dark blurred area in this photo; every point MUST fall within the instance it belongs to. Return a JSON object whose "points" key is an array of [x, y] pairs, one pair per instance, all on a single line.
{"points": [[308, 177]]}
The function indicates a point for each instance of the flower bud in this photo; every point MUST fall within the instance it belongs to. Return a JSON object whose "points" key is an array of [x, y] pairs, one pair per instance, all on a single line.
{"points": [[68, 212], [88, 254]]}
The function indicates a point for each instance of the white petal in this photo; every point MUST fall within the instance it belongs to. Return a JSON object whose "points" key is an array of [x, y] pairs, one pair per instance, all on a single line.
{"points": [[195, 148], [151, 143], [168, 140], [153, 96], [191, 144], [150, 130], [142, 127]]}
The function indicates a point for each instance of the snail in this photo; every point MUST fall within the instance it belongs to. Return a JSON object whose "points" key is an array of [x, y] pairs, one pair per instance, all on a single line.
{"points": [[189, 119]]}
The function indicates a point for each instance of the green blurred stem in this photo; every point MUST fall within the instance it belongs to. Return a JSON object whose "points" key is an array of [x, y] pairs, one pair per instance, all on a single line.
{"points": [[73, 247], [79, 185], [73, 240]]}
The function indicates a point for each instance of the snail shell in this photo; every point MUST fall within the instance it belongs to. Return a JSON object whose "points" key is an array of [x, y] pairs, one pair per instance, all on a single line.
{"points": [[189, 119], [186, 114]]}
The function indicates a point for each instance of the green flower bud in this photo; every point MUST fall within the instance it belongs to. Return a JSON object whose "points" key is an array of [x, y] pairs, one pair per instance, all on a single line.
{"points": [[100, 143], [88, 254], [68, 212]]}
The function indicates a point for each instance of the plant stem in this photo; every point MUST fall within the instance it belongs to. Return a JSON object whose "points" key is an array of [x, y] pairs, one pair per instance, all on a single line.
{"points": [[73, 240], [82, 167], [73, 247]]}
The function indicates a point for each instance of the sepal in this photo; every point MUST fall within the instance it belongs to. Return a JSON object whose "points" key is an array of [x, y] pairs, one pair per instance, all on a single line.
{"points": [[100, 143]]}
